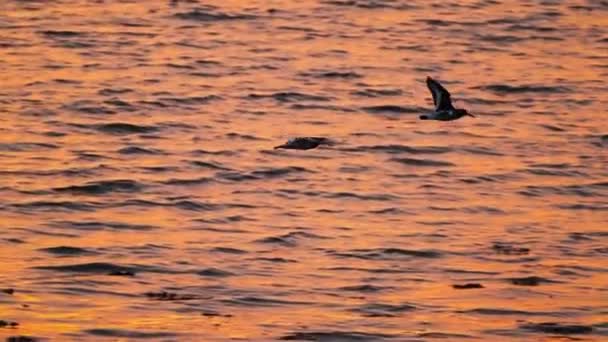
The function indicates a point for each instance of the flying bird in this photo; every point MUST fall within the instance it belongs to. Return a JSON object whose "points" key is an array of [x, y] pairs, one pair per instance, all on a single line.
{"points": [[444, 111], [304, 143]]}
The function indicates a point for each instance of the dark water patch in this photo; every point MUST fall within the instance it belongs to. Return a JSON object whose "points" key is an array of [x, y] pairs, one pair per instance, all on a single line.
{"points": [[26, 147], [362, 197], [95, 267], [500, 38], [383, 310], [61, 34], [421, 162], [598, 189], [114, 91], [228, 250], [587, 236], [335, 336], [290, 97], [209, 165], [214, 272], [388, 211], [171, 296], [509, 249], [590, 207], [290, 239], [365, 288], [467, 286], [97, 226], [235, 176], [388, 254], [557, 328], [194, 100], [8, 324], [393, 109], [121, 333], [89, 107], [279, 172], [214, 153], [194, 205], [14, 240], [309, 106], [233, 135], [140, 150], [503, 89], [373, 93], [330, 74], [188, 182], [50, 206], [531, 281], [276, 260], [509, 312], [210, 15], [67, 251], [102, 187], [443, 335], [22, 338], [256, 301], [484, 151], [397, 149], [552, 128], [122, 128]]}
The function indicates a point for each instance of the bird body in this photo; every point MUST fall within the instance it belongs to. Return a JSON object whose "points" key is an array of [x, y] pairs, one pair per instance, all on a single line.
{"points": [[444, 110]]}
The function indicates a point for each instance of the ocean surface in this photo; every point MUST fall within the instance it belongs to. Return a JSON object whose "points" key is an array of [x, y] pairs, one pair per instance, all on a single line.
{"points": [[142, 199]]}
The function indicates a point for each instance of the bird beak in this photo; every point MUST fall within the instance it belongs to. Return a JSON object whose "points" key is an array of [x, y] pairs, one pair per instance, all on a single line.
{"points": [[471, 115], [279, 146]]}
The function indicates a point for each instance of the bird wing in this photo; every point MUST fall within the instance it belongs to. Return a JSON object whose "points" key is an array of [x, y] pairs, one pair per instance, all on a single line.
{"points": [[441, 97]]}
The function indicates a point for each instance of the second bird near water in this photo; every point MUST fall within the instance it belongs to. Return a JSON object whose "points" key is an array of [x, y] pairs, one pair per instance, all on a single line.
{"points": [[444, 111]]}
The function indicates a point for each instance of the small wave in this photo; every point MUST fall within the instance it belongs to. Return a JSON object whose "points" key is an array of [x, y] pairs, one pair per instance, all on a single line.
{"points": [[362, 197], [289, 239], [263, 301], [26, 147], [56, 205], [393, 109], [383, 310], [102, 187], [365, 288], [121, 128], [508, 89], [373, 93], [114, 91], [328, 336], [396, 149], [214, 272], [63, 34], [228, 250], [209, 15], [209, 165], [121, 333], [278, 172], [509, 312], [99, 225], [139, 150], [531, 281], [67, 251], [421, 162], [188, 182], [331, 74], [387, 253], [290, 97], [557, 328], [89, 107], [95, 267]]}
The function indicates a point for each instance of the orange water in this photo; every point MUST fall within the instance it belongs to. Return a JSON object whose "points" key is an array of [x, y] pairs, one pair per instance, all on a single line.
{"points": [[361, 240]]}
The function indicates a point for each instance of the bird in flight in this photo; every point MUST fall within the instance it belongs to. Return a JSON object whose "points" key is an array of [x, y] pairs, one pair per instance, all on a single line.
{"points": [[444, 111], [304, 143]]}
